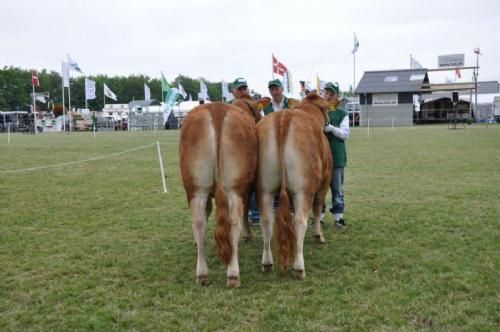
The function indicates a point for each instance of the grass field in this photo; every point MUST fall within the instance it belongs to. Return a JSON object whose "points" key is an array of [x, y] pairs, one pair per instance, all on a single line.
{"points": [[97, 246]]}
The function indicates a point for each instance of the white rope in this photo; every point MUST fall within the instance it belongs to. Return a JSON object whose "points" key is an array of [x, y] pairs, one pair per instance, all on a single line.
{"points": [[75, 162]]}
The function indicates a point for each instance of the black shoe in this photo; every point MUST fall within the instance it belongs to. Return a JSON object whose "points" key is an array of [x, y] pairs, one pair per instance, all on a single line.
{"points": [[340, 223]]}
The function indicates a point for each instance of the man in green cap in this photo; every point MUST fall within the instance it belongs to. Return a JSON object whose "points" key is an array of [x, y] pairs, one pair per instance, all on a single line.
{"points": [[278, 99], [240, 87], [337, 132]]}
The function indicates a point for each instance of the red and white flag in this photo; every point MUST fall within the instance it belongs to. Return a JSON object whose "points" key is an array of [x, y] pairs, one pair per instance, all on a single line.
{"points": [[34, 78], [278, 67]]}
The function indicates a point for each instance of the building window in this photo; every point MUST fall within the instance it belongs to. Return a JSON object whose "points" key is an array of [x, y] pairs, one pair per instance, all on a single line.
{"points": [[391, 79], [417, 77]]}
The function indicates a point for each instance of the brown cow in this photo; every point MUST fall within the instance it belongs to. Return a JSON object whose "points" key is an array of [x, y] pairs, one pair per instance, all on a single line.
{"points": [[294, 160], [218, 144]]}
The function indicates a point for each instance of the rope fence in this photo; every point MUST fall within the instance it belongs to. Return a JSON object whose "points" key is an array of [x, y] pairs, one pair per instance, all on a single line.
{"points": [[111, 155]]}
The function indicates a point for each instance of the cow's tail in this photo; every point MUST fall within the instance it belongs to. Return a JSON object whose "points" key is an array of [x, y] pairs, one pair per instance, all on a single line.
{"points": [[285, 231], [223, 226]]}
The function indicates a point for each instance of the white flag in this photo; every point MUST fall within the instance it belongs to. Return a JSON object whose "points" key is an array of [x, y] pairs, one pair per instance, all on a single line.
{"points": [[225, 89], [65, 74], [40, 96], [108, 93], [356, 44], [89, 89], [203, 91], [73, 65], [414, 64], [182, 92], [147, 92]]}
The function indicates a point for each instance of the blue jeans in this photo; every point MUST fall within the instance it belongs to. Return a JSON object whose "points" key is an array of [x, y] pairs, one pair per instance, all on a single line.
{"points": [[337, 188], [254, 211]]}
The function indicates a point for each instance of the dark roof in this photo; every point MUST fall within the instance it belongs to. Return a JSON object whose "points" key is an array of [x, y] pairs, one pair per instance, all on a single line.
{"points": [[143, 103], [384, 81]]}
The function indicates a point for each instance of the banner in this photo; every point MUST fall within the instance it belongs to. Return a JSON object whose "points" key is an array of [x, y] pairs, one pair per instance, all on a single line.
{"points": [[89, 89], [169, 103], [65, 74], [203, 91], [147, 92]]}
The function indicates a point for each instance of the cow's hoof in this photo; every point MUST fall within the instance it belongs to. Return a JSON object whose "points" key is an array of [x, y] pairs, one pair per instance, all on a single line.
{"points": [[233, 282], [300, 274], [202, 281], [319, 238], [267, 268]]}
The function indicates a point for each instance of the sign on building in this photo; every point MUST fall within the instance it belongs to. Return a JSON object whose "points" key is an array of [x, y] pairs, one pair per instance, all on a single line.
{"points": [[385, 99], [451, 60]]}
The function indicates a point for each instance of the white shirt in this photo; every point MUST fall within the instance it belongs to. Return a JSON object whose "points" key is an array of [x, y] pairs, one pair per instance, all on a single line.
{"points": [[278, 107], [342, 131]]}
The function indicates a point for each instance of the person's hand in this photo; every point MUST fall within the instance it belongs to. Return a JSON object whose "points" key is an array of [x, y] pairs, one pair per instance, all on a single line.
{"points": [[329, 128]]}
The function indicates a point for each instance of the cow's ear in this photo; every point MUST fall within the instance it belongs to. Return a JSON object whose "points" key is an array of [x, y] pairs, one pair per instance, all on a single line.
{"points": [[293, 103], [261, 104]]}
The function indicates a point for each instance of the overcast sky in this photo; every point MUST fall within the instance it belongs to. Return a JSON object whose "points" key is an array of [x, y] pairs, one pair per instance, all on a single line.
{"points": [[227, 39]]}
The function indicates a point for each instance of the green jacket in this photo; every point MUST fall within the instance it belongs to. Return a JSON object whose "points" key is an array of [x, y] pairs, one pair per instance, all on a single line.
{"points": [[336, 144], [269, 108]]}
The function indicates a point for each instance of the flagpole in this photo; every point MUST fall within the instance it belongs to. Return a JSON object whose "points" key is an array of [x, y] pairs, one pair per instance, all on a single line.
{"points": [[63, 102], [354, 65], [354, 83], [272, 64], [34, 103], [69, 99]]}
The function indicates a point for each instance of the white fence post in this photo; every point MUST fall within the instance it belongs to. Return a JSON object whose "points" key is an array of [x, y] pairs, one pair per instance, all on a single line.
{"points": [[161, 168]]}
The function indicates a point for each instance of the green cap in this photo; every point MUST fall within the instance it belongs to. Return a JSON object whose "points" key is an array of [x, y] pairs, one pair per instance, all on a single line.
{"points": [[332, 87], [275, 82], [239, 82]]}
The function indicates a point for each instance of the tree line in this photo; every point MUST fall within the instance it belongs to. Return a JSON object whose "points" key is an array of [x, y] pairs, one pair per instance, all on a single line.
{"points": [[16, 89]]}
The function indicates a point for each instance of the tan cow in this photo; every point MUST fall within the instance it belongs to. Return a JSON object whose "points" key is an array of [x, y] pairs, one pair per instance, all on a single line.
{"points": [[217, 148], [294, 160]]}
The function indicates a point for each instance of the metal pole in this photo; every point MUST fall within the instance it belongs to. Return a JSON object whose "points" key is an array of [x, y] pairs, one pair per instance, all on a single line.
{"points": [[470, 104], [8, 133], [475, 83], [63, 103], [69, 102], [272, 64], [161, 168], [367, 116], [354, 71], [34, 109]]}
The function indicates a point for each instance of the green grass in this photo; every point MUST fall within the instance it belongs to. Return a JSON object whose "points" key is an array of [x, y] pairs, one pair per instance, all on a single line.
{"points": [[97, 246]]}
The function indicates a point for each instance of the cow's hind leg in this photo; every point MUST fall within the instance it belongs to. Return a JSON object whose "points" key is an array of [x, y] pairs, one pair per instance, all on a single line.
{"points": [[318, 202], [235, 215], [198, 206], [302, 206], [208, 211], [266, 224]]}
